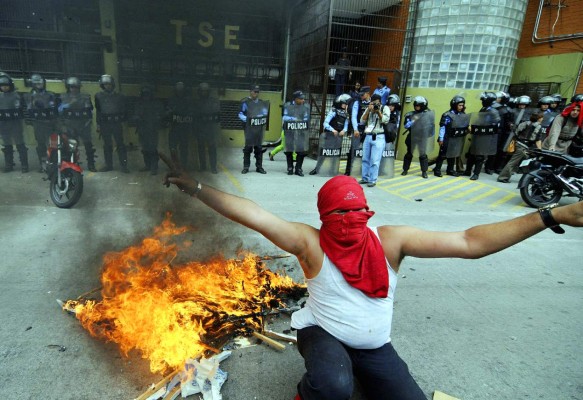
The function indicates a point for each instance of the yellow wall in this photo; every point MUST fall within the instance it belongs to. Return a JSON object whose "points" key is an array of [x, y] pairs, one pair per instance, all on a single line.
{"points": [[438, 102], [563, 68]]}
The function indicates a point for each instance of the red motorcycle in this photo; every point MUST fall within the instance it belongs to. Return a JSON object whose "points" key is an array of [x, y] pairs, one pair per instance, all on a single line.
{"points": [[63, 170]]}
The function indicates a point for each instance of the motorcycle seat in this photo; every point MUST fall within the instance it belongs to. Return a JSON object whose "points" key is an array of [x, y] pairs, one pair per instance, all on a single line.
{"points": [[574, 160]]}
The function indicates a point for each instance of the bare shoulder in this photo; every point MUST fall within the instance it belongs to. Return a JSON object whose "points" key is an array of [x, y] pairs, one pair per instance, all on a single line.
{"points": [[392, 238], [312, 255]]}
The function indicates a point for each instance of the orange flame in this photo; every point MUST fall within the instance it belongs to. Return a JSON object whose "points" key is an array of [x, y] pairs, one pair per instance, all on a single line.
{"points": [[170, 312]]}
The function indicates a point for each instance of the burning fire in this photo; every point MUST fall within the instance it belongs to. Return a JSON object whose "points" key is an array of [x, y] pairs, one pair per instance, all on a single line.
{"points": [[172, 312]]}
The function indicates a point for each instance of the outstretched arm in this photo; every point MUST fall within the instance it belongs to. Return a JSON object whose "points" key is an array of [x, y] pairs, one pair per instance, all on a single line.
{"points": [[292, 237], [475, 242]]}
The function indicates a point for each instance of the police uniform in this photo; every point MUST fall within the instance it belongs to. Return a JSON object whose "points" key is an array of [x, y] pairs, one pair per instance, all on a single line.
{"points": [[11, 129], [41, 106], [336, 120], [484, 129], [181, 114], [76, 111], [383, 91], [207, 116], [111, 113], [453, 129], [296, 124], [254, 113], [148, 115], [421, 126]]}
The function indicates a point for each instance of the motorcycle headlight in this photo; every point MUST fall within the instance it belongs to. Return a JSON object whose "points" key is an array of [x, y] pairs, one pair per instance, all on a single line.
{"points": [[72, 144], [535, 165]]}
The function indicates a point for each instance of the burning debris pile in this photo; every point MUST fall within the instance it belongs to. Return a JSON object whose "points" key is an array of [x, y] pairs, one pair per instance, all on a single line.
{"points": [[172, 312]]}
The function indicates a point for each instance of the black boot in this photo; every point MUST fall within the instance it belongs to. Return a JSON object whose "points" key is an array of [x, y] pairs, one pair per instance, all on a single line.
{"points": [[299, 164], [407, 163], [424, 163], [90, 152], [23, 155], [8, 158], [108, 157], [451, 167], [470, 161], [246, 160], [437, 168], [147, 163], [122, 154], [259, 161], [290, 162], [42, 159], [477, 168], [154, 163]]}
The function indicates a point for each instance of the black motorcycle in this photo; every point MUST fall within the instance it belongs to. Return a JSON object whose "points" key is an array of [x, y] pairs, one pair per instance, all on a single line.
{"points": [[548, 176]]}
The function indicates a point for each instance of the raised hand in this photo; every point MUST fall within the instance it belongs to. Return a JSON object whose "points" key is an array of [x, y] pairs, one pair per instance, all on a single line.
{"points": [[177, 176]]}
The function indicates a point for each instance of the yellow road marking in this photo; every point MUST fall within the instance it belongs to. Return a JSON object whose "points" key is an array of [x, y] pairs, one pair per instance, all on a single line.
{"points": [[503, 200], [403, 182], [446, 182], [232, 178], [462, 194], [423, 182], [483, 195], [443, 192]]}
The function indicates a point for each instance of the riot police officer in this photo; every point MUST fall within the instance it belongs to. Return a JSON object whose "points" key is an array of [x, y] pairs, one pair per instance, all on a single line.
{"points": [[11, 125], [207, 112], [485, 124], [148, 115], [496, 162], [420, 123], [296, 124], [76, 111], [254, 114], [181, 114], [111, 113], [335, 127], [41, 107], [453, 128]]}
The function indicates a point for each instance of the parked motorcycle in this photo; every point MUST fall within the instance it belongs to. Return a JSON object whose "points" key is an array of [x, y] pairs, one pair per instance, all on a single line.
{"points": [[63, 170], [548, 176]]}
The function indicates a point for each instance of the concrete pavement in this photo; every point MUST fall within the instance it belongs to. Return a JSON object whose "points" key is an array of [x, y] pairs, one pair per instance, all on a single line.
{"points": [[503, 327]]}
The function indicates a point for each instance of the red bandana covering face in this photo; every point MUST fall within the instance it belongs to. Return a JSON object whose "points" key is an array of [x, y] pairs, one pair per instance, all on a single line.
{"points": [[347, 241], [567, 112]]}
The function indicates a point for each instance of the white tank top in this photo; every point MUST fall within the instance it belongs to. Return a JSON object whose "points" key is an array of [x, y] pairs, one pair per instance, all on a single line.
{"points": [[355, 319]]}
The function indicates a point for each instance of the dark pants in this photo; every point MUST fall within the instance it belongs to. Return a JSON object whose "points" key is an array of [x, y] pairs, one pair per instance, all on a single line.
{"points": [[340, 80], [111, 131], [257, 152], [331, 369], [42, 132], [178, 141], [206, 141]]}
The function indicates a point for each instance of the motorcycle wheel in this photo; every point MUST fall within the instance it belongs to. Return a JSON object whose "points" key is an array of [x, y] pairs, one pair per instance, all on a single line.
{"points": [[67, 192], [542, 191]]}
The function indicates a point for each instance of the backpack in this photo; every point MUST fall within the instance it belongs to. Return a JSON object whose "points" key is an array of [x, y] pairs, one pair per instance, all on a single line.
{"points": [[390, 129]]}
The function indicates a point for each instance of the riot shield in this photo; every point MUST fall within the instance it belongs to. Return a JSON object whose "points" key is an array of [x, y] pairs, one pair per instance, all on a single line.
{"points": [[484, 128], [422, 132], [329, 152], [386, 166], [256, 123], [459, 128], [548, 118], [296, 132]]}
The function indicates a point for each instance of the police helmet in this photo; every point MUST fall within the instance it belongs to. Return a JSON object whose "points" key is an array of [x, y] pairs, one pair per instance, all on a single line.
{"points": [[546, 100], [455, 101], [342, 99], [503, 96], [557, 98], [5, 80], [488, 98], [106, 79], [524, 99], [577, 97], [72, 82], [37, 81], [420, 101], [393, 100]]}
